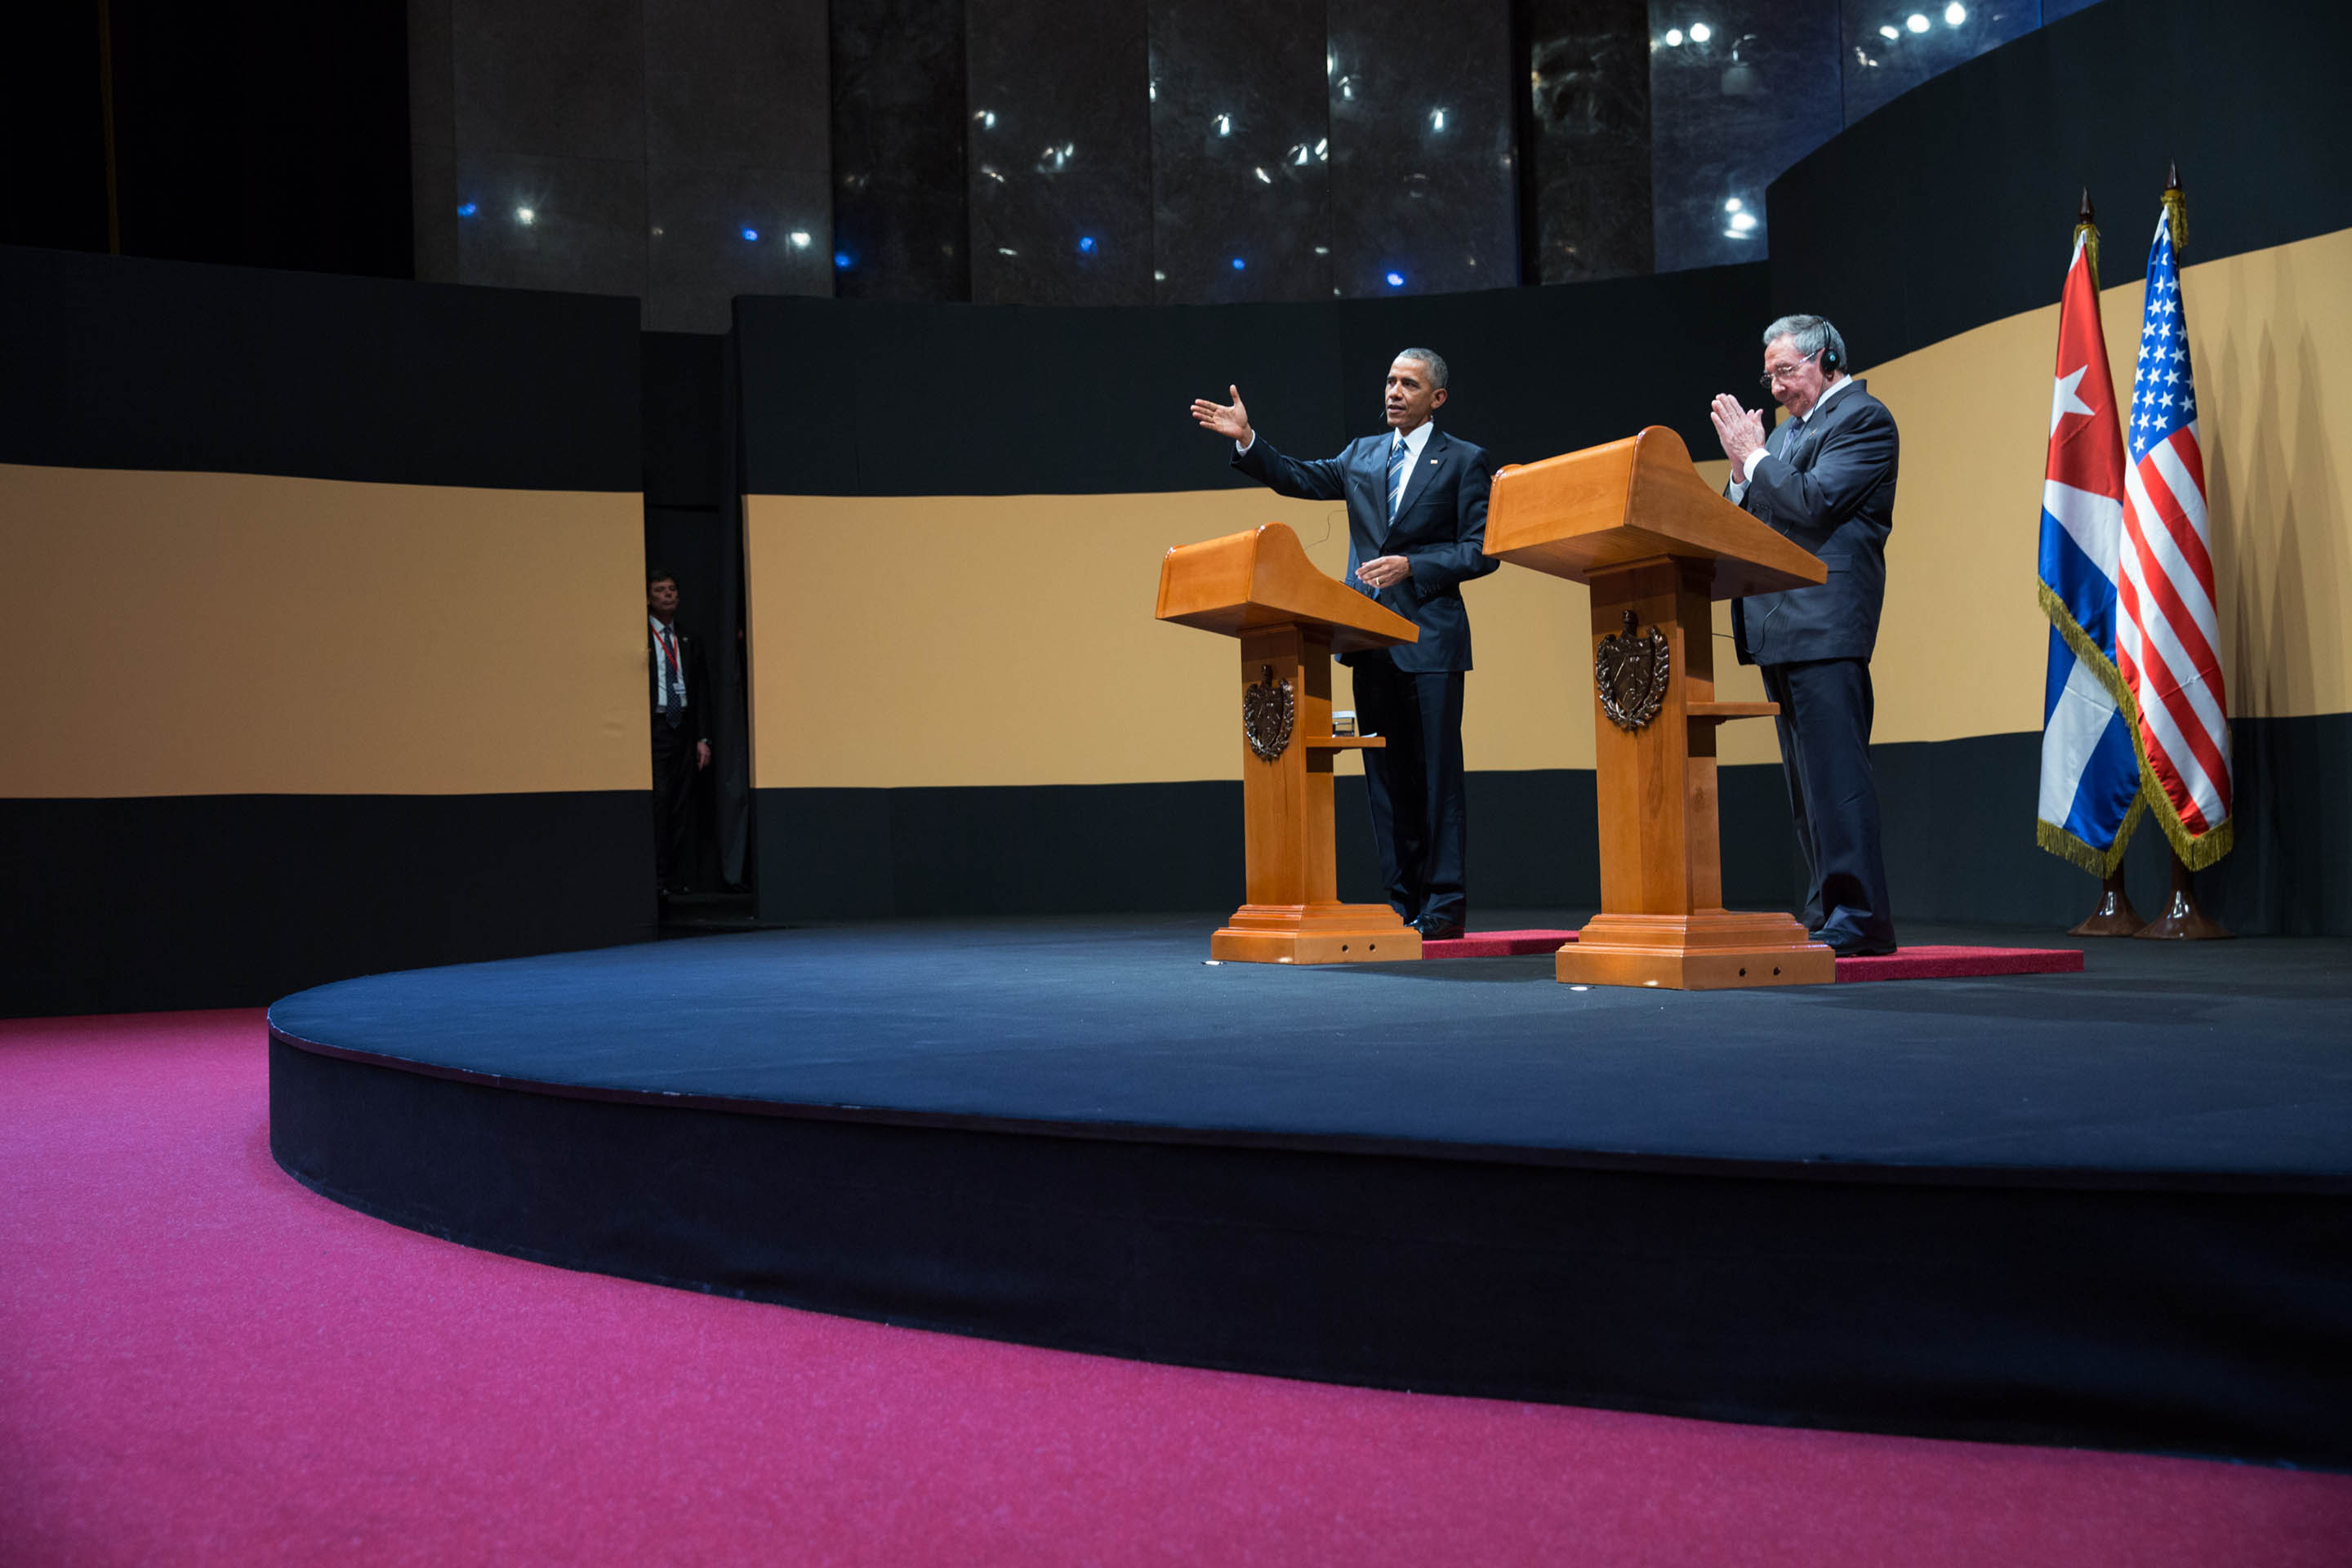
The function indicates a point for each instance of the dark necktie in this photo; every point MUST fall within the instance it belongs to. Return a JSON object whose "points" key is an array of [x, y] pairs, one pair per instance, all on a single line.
{"points": [[1396, 477]]}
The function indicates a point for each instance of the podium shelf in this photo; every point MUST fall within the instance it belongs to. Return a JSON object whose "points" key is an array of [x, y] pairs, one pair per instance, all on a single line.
{"points": [[1344, 743], [1717, 711]]}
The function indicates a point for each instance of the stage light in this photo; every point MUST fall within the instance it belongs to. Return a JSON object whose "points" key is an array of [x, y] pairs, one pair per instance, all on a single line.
{"points": [[1437, 119], [1224, 124], [800, 238], [1732, 206], [1888, 32], [526, 216], [1701, 32], [1955, 14], [1086, 243], [752, 234], [1917, 23], [1673, 37], [987, 119], [1239, 263], [1396, 279], [467, 209], [1322, 251], [1323, 149], [841, 259], [1743, 221]]}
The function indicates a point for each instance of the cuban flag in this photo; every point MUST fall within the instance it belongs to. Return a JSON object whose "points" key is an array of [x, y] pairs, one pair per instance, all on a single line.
{"points": [[2090, 772], [2167, 637]]}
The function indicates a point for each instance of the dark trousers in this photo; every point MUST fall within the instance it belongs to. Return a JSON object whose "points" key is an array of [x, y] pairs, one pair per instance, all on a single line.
{"points": [[674, 816], [1826, 707], [1414, 783]]}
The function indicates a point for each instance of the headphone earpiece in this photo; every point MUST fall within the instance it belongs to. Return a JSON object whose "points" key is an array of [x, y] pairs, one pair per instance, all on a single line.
{"points": [[1830, 360]]}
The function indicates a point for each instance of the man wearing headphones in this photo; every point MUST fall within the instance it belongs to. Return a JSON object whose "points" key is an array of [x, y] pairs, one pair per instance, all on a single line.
{"points": [[1826, 479]]}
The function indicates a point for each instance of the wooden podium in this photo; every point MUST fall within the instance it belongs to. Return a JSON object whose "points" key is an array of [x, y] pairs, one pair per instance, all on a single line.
{"points": [[1635, 522], [1259, 586]]}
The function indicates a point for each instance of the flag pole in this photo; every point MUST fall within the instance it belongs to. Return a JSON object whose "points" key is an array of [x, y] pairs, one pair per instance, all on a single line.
{"points": [[2183, 919]]}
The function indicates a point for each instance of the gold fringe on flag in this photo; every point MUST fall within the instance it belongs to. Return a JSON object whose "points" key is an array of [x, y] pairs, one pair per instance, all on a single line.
{"points": [[2099, 863]]}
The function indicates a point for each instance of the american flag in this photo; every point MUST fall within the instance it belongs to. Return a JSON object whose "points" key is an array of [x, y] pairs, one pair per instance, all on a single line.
{"points": [[2167, 640]]}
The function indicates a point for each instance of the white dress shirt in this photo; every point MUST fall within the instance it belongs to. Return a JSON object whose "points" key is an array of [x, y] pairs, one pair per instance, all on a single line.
{"points": [[668, 676]]}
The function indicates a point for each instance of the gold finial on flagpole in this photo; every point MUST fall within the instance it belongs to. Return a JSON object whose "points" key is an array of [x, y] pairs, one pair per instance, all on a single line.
{"points": [[2087, 231], [2176, 211]]}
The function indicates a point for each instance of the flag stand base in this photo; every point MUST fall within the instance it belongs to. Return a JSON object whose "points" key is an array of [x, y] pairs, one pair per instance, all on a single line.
{"points": [[2182, 921], [2114, 915]]}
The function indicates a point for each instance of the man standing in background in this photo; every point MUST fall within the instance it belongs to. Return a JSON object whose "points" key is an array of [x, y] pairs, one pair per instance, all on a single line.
{"points": [[681, 710], [1825, 479], [1416, 531]]}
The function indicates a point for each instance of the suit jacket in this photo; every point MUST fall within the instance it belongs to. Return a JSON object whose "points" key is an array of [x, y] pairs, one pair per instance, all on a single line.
{"points": [[698, 683], [1441, 530], [1829, 485]]}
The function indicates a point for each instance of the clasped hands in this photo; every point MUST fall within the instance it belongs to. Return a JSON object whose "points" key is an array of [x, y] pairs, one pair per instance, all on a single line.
{"points": [[1741, 431]]}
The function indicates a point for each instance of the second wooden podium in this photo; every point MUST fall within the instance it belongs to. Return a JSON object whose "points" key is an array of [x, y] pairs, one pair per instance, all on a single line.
{"points": [[1259, 586], [1634, 521]]}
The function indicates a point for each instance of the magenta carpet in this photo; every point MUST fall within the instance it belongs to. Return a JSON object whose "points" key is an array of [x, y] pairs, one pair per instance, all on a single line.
{"points": [[1910, 963], [201, 1362]]}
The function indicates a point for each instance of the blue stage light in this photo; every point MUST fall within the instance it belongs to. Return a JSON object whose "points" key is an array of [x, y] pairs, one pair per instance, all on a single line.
{"points": [[467, 209], [1396, 279], [1087, 242], [841, 259], [1239, 263], [750, 234]]}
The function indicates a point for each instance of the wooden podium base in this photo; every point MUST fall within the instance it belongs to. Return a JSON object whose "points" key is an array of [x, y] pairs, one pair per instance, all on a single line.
{"points": [[1315, 933], [1715, 950]]}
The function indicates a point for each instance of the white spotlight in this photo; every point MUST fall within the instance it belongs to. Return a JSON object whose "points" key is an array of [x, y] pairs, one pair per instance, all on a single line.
{"points": [[526, 216], [1888, 32], [800, 238], [1732, 206], [1917, 23], [1701, 32], [1955, 14], [1743, 221], [1673, 37]]}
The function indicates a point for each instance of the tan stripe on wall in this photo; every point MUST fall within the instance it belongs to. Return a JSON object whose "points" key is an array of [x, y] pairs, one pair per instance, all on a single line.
{"points": [[1964, 645], [219, 634], [1008, 640]]}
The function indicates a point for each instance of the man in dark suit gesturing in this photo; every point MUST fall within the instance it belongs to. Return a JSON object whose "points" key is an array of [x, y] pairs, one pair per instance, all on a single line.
{"points": [[1826, 479], [1416, 531]]}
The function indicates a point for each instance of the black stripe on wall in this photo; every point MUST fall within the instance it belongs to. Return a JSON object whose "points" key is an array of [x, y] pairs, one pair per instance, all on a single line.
{"points": [[116, 363], [1958, 819], [134, 904], [1954, 206], [1096, 848], [853, 397]]}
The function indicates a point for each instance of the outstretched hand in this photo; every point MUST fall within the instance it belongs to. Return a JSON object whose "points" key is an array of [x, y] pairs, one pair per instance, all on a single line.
{"points": [[1224, 420], [1741, 431]]}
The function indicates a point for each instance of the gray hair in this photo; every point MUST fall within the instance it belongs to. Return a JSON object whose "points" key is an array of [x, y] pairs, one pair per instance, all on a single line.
{"points": [[1429, 357], [1813, 333]]}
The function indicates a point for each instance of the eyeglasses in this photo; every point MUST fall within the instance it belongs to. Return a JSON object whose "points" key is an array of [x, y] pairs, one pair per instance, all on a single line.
{"points": [[1772, 378]]}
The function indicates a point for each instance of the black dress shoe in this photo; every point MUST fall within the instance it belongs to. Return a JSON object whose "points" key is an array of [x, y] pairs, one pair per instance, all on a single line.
{"points": [[1845, 945], [1433, 928]]}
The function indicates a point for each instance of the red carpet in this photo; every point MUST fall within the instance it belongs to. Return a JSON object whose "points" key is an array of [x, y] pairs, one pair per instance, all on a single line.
{"points": [[204, 1362], [1909, 963], [1961, 963], [1496, 943]]}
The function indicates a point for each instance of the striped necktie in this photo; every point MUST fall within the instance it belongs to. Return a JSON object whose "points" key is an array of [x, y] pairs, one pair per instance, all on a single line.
{"points": [[1396, 475]]}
